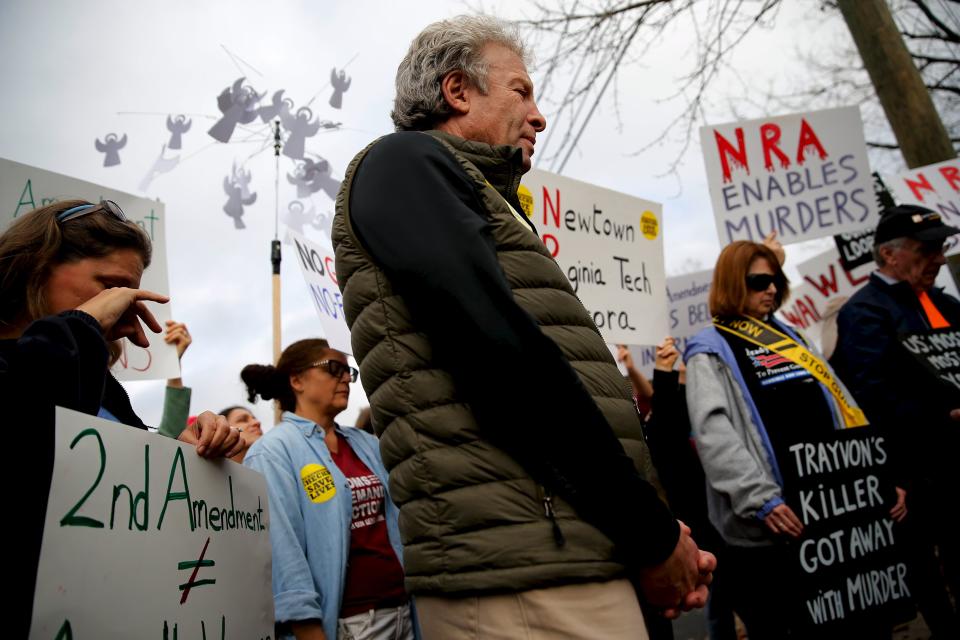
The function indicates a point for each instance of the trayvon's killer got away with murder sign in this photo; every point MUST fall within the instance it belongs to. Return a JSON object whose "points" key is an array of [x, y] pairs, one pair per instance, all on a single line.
{"points": [[848, 568], [802, 175]]}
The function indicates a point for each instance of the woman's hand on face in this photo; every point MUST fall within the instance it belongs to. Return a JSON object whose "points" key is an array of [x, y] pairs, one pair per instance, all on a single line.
{"points": [[119, 311], [783, 521]]}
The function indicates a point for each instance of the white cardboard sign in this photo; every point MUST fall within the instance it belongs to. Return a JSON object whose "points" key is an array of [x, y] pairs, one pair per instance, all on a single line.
{"points": [[610, 246], [317, 265], [23, 188], [145, 539], [935, 186], [804, 175], [688, 298], [823, 279]]}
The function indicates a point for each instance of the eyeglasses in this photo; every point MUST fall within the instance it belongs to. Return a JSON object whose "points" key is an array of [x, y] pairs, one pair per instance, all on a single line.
{"points": [[760, 281], [336, 369], [79, 211]]}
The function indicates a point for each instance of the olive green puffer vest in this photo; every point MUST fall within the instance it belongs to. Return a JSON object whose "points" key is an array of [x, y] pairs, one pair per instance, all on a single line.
{"points": [[472, 520]]}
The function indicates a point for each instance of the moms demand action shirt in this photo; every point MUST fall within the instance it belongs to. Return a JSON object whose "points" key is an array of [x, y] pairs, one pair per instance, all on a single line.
{"points": [[374, 575]]}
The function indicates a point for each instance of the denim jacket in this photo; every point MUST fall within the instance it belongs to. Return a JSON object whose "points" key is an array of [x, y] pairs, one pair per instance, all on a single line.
{"points": [[310, 512]]}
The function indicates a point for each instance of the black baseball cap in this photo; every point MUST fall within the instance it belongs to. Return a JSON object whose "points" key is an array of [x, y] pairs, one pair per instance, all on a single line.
{"points": [[912, 221]]}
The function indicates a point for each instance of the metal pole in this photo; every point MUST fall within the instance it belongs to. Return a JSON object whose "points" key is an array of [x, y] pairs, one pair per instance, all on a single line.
{"points": [[275, 257]]}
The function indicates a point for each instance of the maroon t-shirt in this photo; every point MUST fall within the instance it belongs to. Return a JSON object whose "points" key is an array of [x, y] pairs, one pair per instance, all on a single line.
{"points": [[374, 575]]}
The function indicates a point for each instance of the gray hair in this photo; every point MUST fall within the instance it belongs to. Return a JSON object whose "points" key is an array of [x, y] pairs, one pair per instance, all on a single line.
{"points": [[893, 245], [442, 48]]}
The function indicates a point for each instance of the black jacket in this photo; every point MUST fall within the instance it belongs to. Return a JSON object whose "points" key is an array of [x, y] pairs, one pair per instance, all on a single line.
{"points": [[896, 395], [58, 361]]}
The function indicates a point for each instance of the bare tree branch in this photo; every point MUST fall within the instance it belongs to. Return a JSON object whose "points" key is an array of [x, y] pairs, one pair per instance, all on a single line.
{"points": [[949, 34]]}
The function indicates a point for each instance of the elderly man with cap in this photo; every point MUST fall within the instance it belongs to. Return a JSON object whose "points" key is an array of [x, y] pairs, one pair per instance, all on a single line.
{"points": [[920, 421]]}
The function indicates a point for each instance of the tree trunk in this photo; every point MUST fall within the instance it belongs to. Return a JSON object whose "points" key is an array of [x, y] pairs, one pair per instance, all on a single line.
{"points": [[906, 101]]}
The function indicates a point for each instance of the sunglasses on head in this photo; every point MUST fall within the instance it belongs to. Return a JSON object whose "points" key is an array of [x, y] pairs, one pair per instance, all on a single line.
{"points": [[81, 210], [336, 368], [760, 281]]}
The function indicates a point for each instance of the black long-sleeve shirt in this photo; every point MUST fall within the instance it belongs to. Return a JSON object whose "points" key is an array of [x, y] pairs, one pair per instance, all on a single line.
{"points": [[420, 217], [58, 361]]}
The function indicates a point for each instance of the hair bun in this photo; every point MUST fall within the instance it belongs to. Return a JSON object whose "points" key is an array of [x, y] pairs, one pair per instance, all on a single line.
{"points": [[261, 380]]}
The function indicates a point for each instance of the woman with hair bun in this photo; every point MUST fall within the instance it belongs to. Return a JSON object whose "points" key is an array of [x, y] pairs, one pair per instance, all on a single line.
{"points": [[337, 555]]}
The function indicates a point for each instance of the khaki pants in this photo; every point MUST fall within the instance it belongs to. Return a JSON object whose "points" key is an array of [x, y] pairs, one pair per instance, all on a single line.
{"points": [[591, 611]]}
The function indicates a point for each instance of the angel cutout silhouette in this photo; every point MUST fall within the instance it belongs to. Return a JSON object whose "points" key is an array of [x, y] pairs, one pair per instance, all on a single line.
{"points": [[300, 128], [236, 202], [160, 165], [313, 176], [177, 127], [241, 178], [296, 218], [278, 105], [340, 83], [239, 105], [111, 146]]}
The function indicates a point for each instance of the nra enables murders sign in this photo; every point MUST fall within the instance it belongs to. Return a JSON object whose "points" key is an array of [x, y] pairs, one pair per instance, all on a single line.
{"points": [[143, 538], [610, 246], [24, 188], [803, 175]]}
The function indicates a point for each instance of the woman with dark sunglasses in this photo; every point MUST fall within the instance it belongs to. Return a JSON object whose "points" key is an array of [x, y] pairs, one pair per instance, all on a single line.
{"points": [[747, 405], [69, 290], [337, 555]]}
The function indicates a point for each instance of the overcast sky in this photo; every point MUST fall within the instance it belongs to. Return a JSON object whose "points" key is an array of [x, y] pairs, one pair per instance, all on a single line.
{"points": [[76, 71]]}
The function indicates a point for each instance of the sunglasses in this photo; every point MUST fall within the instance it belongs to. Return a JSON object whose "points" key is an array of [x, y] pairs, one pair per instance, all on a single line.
{"points": [[336, 369], [760, 281], [79, 211]]}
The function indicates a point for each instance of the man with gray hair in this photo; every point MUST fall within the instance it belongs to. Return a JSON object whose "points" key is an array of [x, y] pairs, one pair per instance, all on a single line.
{"points": [[918, 417], [503, 418]]}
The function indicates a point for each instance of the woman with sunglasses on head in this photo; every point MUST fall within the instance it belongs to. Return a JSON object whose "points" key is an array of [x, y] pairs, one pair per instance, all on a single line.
{"points": [[69, 289], [747, 405], [337, 555]]}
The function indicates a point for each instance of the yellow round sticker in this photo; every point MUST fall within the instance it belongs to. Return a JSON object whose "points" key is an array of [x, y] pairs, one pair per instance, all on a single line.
{"points": [[649, 225], [526, 201], [318, 483]]}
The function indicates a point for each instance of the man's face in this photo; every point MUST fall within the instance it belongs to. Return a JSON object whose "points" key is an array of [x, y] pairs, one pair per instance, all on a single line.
{"points": [[507, 113], [917, 262]]}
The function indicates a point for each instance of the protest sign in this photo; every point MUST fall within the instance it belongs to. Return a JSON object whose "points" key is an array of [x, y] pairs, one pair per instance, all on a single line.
{"points": [[824, 279], [317, 266], [803, 175], [688, 301], [144, 538], [938, 352], [935, 186], [23, 188], [610, 246], [855, 249], [848, 569]]}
